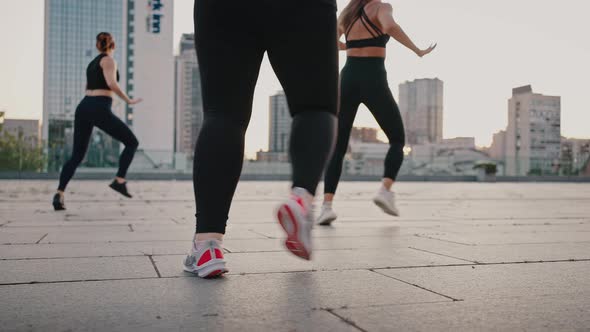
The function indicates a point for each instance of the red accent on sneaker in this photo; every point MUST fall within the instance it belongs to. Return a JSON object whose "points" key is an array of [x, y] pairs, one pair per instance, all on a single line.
{"points": [[218, 254], [204, 258], [299, 201]]}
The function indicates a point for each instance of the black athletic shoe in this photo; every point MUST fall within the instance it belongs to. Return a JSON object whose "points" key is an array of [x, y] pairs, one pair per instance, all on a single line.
{"points": [[58, 203], [121, 188]]}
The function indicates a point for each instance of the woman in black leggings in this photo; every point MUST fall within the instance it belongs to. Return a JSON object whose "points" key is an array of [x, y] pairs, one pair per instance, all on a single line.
{"points": [[231, 37], [95, 111], [367, 26]]}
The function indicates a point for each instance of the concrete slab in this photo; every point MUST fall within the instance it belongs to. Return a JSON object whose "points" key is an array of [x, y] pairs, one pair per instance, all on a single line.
{"points": [[81, 250], [500, 281], [247, 303], [280, 262], [510, 253], [67, 269], [370, 272], [546, 313], [8, 237]]}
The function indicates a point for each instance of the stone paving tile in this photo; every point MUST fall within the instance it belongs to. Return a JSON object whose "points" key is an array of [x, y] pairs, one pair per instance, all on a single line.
{"points": [[275, 262], [478, 238], [73, 250], [49, 270], [353, 275], [510, 253], [545, 313], [82, 237], [280, 302], [12, 237], [500, 281], [330, 243]]}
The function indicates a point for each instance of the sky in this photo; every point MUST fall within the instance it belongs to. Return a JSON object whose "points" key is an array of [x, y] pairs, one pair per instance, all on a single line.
{"points": [[484, 50]]}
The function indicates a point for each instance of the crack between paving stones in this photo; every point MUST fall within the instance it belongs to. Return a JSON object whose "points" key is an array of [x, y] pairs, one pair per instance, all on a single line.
{"points": [[448, 241], [443, 255], [151, 258], [374, 270], [345, 320], [264, 235], [41, 239], [417, 286]]}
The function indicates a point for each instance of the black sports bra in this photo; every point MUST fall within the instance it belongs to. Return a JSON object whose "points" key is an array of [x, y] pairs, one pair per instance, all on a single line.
{"points": [[379, 39], [95, 76]]}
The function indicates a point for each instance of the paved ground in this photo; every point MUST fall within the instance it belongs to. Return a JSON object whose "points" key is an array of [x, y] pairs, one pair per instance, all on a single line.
{"points": [[464, 256]]}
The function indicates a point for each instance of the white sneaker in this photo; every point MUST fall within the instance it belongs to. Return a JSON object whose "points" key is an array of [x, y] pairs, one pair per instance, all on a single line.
{"points": [[207, 261], [386, 201], [296, 218], [327, 216]]}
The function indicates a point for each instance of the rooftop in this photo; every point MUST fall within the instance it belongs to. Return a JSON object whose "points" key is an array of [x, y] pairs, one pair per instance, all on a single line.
{"points": [[463, 256]]}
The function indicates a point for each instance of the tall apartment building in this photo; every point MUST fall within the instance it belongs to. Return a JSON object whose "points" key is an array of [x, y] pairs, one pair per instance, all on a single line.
{"points": [[533, 136], [421, 106], [142, 30], [189, 104], [280, 124]]}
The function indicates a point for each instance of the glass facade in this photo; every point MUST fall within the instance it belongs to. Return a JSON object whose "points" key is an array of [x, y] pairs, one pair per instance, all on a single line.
{"points": [[71, 28]]}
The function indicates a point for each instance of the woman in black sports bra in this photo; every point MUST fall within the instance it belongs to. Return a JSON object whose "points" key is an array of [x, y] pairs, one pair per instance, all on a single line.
{"points": [[367, 26], [95, 111]]}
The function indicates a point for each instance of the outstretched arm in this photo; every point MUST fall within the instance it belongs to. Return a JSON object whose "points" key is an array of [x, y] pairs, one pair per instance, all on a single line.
{"points": [[109, 69], [390, 26]]}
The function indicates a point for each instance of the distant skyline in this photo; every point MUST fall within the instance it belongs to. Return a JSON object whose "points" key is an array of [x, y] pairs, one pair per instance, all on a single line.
{"points": [[485, 49]]}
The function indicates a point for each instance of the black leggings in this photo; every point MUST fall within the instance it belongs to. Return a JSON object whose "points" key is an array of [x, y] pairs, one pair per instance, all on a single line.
{"points": [[364, 80], [231, 39], [96, 112]]}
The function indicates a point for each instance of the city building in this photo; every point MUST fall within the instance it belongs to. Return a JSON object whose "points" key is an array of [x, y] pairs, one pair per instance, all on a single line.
{"points": [[575, 156], [189, 105], [142, 30], [363, 134], [533, 135], [498, 148], [365, 158], [29, 130], [454, 156], [150, 65], [421, 106], [279, 124]]}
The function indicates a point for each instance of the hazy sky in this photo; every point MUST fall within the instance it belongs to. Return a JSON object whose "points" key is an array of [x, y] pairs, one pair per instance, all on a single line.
{"points": [[485, 49]]}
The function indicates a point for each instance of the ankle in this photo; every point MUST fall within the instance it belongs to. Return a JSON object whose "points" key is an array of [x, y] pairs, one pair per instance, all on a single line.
{"points": [[200, 237], [304, 194], [120, 180]]}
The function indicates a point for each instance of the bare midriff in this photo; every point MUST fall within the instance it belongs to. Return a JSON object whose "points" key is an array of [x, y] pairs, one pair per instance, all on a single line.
{"points": [[366, 52], [100, 93]]}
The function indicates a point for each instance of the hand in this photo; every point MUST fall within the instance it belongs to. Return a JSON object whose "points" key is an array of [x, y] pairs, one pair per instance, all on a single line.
{"points": [[422, 53], [135, 101]]}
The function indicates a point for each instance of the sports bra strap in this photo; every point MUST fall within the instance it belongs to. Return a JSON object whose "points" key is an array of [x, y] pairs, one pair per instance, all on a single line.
{"points": [[371, 27]]}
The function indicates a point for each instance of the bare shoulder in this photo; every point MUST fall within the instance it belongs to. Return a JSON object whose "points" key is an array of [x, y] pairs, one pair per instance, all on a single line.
{"points": [[108, 61], [384, 7]]}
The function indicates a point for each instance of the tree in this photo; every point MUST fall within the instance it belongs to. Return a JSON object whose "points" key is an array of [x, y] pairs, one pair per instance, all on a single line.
{"points": [[18, 154]]}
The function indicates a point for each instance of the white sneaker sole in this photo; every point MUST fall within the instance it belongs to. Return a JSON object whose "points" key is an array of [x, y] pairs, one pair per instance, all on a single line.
{"points": [[385, 207], [211, 269], [291, 223], [327, 221]]}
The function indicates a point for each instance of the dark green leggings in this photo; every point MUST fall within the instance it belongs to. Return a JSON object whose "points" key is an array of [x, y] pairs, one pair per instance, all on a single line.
{"points": [[364, 80]]}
